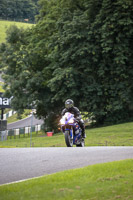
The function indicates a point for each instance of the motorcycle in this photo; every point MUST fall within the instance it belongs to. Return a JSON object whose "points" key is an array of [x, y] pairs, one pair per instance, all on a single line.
{"points": [[72, 131]]}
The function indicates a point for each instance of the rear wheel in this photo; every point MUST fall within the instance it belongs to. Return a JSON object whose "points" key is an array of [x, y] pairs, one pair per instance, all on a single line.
{"points": [[68, 140]]}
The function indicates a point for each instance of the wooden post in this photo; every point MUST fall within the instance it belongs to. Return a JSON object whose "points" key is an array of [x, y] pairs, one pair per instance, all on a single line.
{"points": [[2, 113]]}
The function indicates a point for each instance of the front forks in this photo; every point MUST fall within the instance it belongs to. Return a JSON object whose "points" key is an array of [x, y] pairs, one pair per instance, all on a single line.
{"points": [[71, 133]]}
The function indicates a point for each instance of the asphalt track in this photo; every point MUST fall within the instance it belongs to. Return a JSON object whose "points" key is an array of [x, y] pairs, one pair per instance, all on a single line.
{"points": [[25, 122], [18, 164]]}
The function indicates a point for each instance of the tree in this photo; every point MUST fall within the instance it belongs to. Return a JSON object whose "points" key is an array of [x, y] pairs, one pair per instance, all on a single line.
{"points": [[80, 50], [26, 68], [14, 66], [112, 32], [94, 59], [18, 10]]}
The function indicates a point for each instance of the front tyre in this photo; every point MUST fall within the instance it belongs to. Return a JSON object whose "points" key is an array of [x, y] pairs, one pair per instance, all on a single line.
{"points": [[68, 140], [82, 143]]}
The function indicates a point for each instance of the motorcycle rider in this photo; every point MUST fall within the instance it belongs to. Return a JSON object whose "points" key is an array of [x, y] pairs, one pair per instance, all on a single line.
{"points": [[69, 107]]}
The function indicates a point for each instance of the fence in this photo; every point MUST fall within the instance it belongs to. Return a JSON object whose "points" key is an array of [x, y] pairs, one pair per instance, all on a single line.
{"points": [[20, 131], [9, 114]]}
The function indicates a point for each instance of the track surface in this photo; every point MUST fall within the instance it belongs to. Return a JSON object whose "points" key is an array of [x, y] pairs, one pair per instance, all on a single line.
{"points": [[25, 122], [24, 163]]}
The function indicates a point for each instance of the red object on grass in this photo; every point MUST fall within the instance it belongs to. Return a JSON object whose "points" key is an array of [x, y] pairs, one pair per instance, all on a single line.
{"points": [[49, 134]]}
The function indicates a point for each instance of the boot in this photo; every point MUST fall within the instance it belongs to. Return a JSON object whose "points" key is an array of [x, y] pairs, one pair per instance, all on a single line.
{"points": [[83, 133]]}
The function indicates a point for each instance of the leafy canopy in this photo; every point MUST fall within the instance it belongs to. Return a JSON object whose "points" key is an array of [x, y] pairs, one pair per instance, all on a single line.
{"points": [[79, 49]]}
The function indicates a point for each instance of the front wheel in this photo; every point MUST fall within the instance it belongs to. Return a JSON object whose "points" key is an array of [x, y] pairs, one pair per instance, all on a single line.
{"points": [[68, 140], [82, 143]]}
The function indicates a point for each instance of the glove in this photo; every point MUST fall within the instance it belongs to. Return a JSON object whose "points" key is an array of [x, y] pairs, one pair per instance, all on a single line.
{"points": [[78, 119]]}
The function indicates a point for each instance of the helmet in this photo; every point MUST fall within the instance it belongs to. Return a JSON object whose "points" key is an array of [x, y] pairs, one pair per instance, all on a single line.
{"points": [[69, 103]]}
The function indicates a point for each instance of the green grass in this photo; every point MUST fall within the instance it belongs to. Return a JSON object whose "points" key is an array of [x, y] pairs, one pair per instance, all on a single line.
{"points": [[38, 140], [108, 181], [15, 116], [6, 24], [116, 135], [1, 87]]}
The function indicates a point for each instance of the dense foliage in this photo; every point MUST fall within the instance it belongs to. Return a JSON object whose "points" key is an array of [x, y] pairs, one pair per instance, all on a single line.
{"points": [[80, 49], [18, 10]]}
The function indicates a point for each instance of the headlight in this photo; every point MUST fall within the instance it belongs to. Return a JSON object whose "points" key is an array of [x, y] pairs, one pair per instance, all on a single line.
{"points": [[71, 121], [62, 122]]}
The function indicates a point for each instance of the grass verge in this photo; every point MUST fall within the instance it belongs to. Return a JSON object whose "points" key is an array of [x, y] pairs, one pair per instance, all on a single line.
{"points": [[1, 87], [116, 135], [108, 181], [5, 24], [15, 117]]}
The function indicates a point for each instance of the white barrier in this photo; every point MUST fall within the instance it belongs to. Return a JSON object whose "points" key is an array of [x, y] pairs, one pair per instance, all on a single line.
{"points": [[37, 127], [9, 114], [27, 130], [16, 131]]}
